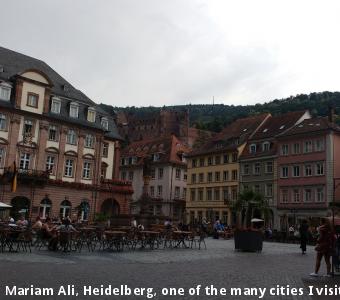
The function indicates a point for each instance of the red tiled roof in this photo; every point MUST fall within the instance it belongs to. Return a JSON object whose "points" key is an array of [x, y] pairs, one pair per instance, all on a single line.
{"points": [[232, 136], [170, 149]]}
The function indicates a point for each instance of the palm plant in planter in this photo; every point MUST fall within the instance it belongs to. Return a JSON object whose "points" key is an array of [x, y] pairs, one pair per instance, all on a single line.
{"points": [[249, 205]]}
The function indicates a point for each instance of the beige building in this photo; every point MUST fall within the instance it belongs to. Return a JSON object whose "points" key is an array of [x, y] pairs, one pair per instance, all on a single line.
{"points": [[213, 172]]}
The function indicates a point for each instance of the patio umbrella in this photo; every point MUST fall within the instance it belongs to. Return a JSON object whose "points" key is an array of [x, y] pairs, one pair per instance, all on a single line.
{"points": [[4, 205], [256, 220]]}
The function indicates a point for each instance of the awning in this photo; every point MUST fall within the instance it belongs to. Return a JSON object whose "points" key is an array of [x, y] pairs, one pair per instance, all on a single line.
{"points": [[4, 205]]}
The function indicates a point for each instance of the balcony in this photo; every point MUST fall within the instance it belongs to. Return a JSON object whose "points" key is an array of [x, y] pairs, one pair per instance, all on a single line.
{"points": [[24, 176]]}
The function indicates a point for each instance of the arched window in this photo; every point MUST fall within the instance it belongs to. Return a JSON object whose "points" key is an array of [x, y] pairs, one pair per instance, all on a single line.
{"points": [[45, 208], [84, 211], [65, 209]]}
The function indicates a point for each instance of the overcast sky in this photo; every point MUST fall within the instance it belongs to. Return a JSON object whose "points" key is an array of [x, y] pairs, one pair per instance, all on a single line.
{"points": [[167, 52]]}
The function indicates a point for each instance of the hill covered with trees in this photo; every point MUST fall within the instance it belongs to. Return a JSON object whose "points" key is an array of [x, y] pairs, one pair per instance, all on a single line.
{"points": [[215, 117]]}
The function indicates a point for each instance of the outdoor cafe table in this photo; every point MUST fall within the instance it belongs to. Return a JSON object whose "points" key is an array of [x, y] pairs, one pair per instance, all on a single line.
{"points": [[149, 238], [115, 239], [180, 237]]}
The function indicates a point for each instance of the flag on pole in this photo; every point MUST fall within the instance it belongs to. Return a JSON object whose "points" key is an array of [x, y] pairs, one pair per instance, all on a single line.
{"points": [[14, 178]]}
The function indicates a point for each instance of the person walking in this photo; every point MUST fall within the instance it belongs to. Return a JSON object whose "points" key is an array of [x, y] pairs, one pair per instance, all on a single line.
{"points": [[324, 247], [304, 232]]}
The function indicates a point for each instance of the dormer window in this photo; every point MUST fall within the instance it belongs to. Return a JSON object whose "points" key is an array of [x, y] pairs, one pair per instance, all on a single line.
{"points": [[74, 110], [91, 115], [265, 146], [5, 91], [105, 123], [55, 105], [32, 100], [252, 148]]}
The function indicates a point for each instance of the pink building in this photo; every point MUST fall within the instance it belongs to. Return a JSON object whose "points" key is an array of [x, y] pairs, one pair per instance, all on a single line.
{"points": [[308, 166]]}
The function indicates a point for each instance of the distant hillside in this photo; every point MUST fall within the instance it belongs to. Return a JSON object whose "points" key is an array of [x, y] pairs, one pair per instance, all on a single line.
{"points": [[215, 117]]}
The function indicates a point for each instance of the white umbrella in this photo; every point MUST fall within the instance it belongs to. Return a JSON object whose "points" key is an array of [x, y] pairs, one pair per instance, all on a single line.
{"points": [[4, 205], [256, 220]]}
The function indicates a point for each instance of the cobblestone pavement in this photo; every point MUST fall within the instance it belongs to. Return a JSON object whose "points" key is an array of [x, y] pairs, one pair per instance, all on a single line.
{"points": [[219, 265]]}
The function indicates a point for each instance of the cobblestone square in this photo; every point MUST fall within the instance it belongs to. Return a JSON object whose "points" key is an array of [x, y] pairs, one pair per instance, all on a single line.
{"points": [[219, 265]]}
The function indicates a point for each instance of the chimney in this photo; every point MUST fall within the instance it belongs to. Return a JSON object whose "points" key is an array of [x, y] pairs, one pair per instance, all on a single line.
{"points": [[331, 113]]}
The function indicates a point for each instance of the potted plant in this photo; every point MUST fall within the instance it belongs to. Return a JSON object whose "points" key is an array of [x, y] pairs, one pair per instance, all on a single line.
{"points": [[248, 236]]}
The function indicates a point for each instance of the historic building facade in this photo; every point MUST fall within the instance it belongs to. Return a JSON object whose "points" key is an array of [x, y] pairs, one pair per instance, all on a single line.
{"points": [[258, 161], [64, 145], [165, 159], [308, 170], [213, 171]]}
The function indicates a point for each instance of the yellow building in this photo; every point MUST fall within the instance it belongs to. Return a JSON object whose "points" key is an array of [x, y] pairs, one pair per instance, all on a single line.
{"points": [[213, 172]]}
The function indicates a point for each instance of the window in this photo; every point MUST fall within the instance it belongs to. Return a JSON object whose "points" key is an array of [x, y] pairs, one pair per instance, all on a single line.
{"points": [[105, 150], [5, 92], [308, 170], [28, 127], [3, 122], [105, 123], [257, 189], [269, 190], [50, 162], [24, 161], [123, 175], [234, 175], [233, 193], [319, 169], [155, 157], [184, 193], [177, 192], [308, 146], [159, 191], [65, 209], [296, 148], [74, 110], [296, 171], [319, 194], [225, 175], [217, 160], [71, 137], [45, 208], [217, 194], [87, 170], [91, 115], [201, 162], [319, 145], [200, 195], [210, 161], [103, 171], [225, 158], [210, 177], [307, 195], [201, 177], [192, 194], [284, 196], [178, 173], [89, 141], [194, 163], [284, 172], [284, 149], [193, 178], [152, 191], [131, 175], [269, 167], [32, 100], [2, 157], [265, 146], [52, 133], [257, 169], [252, 148], [296, 195], [225, 194], [153, 173], [217, 176], [209, 194], [123, 161], [246, 169], [55, 106], [160, 173], [68, 172], [234, 157]]}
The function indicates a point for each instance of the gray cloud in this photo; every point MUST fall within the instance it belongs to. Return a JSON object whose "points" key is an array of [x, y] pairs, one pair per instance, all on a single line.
{"points": [[158, 52]]}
